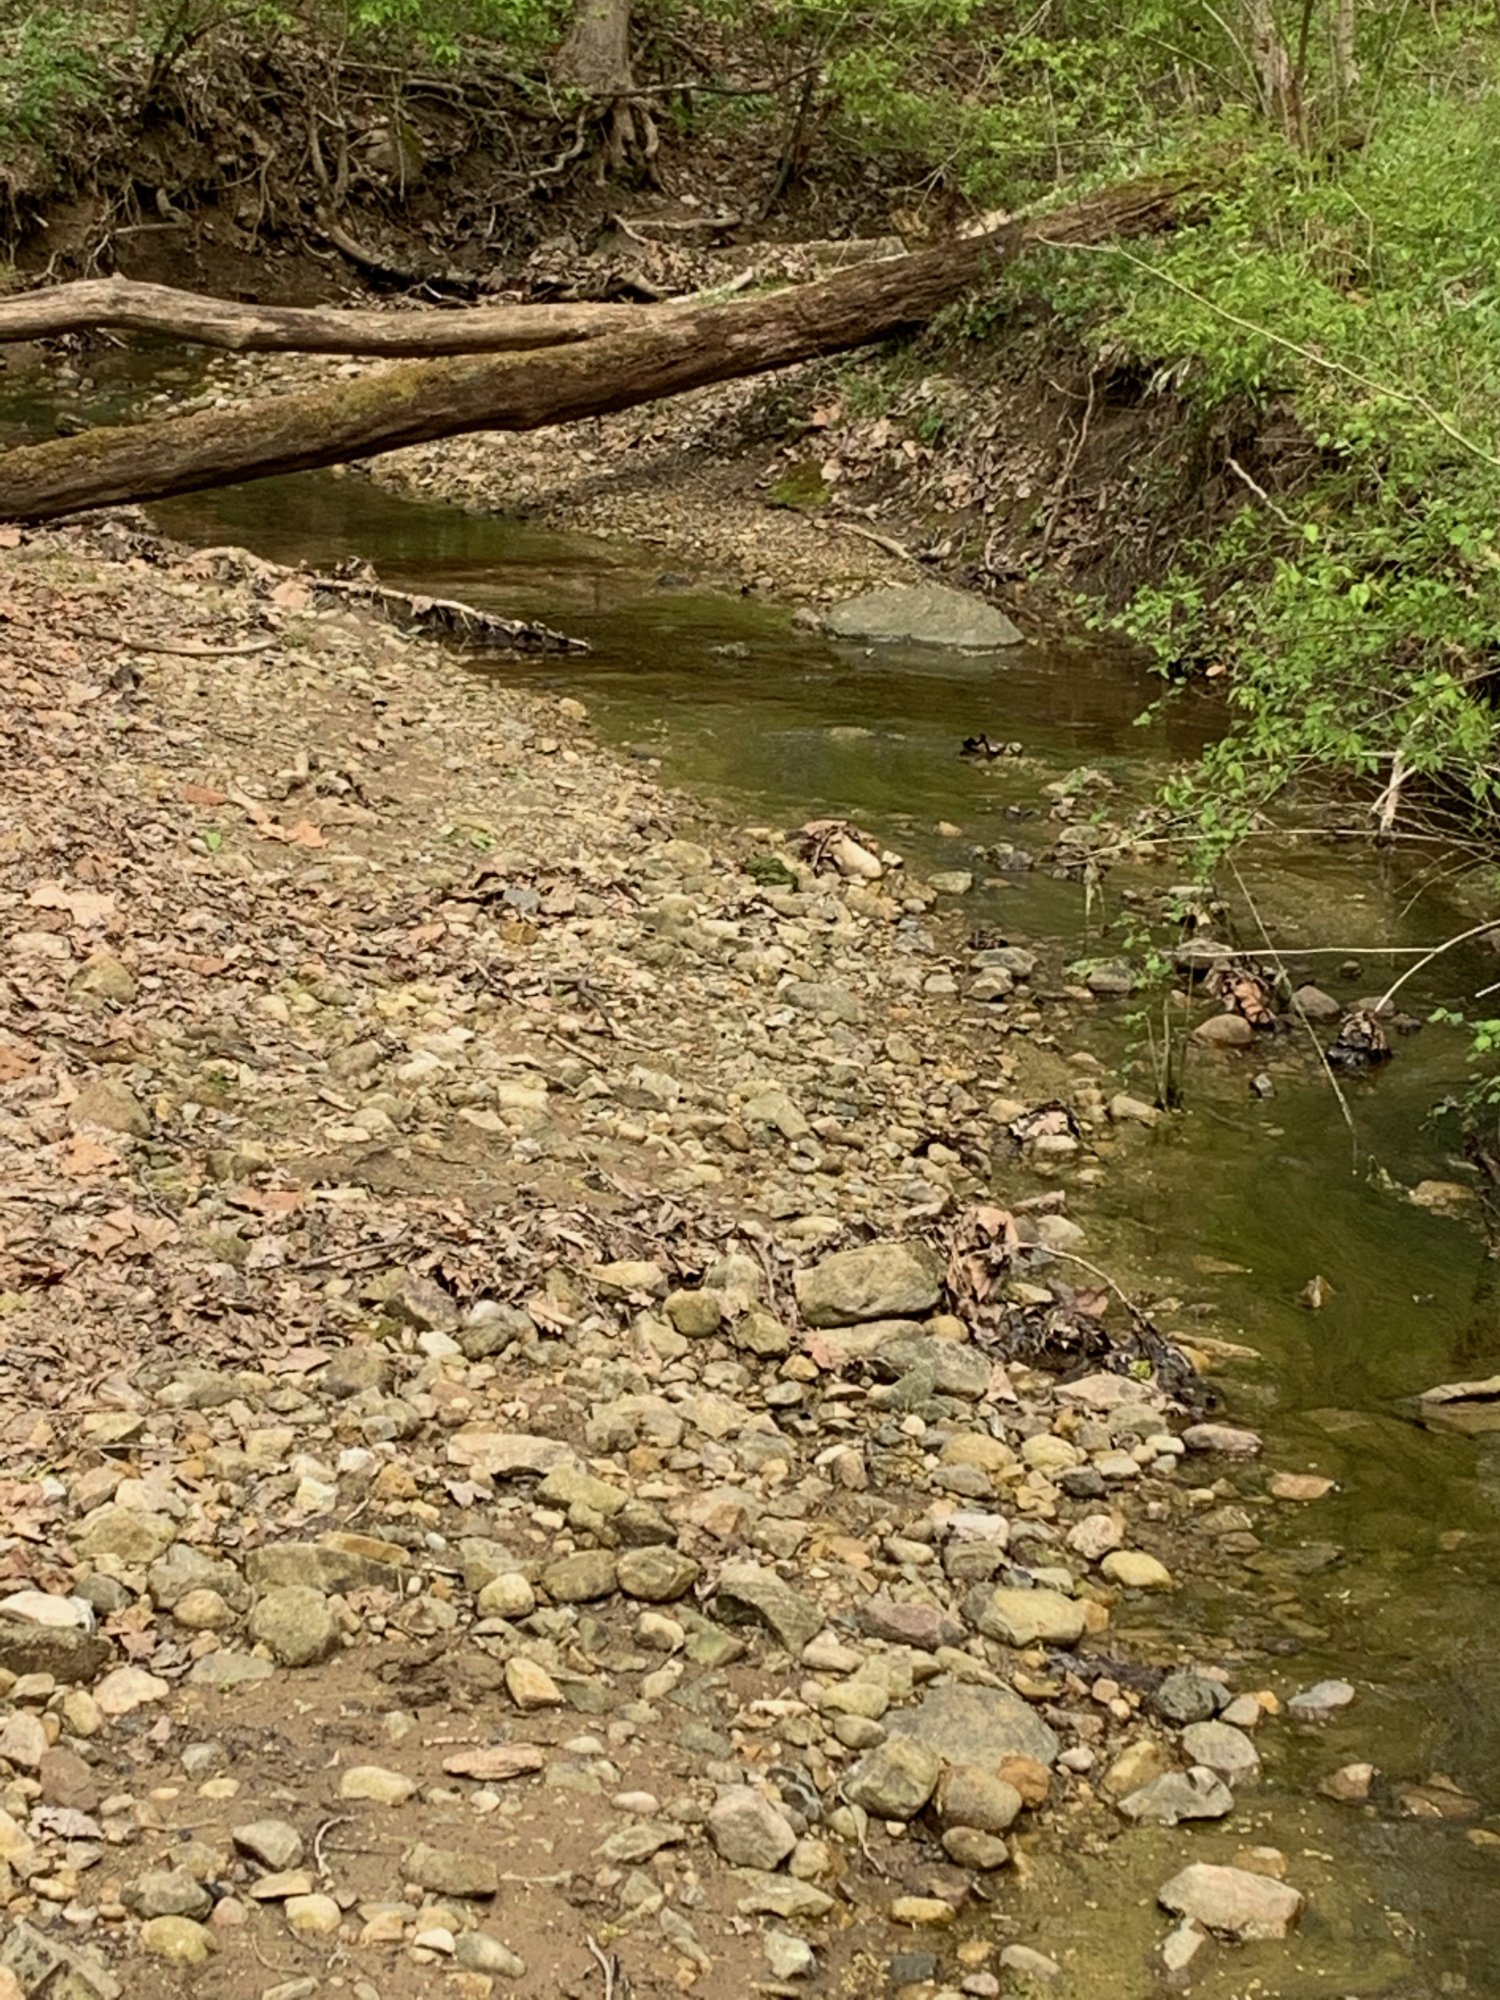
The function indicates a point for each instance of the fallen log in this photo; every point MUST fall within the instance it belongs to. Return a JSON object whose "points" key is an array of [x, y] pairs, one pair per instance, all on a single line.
{"points": [[662, 354], [122, 305]]}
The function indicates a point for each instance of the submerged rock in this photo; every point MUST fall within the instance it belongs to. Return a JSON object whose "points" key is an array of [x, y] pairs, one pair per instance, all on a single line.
{"points": [[928, 614]]}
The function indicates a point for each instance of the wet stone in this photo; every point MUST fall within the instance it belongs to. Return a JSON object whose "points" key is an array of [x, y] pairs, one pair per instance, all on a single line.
{"points": [[1187, 1697], [1178, 1796], [1317, 1703], [1232, 1901], [1222, 1748]]}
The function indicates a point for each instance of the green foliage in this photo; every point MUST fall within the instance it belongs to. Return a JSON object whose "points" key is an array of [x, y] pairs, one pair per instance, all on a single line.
{"points": [[47, 71], [1360, 612]]}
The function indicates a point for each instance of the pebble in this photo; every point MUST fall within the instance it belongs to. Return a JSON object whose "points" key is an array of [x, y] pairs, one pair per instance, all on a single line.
{"points": [[376, 1784], [1132, 1569], [1323, 1699]]}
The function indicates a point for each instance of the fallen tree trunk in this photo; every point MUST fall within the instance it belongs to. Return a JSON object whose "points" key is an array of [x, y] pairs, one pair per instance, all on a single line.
{"points": [[121, 305], [419, 401]]}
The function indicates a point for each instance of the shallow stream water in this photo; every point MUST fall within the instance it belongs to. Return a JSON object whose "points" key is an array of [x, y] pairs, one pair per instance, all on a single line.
{"points": [[1229, 1208]]}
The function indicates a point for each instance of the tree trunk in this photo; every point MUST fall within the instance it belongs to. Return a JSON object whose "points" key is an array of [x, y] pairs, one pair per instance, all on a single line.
{"points": [[596, 53], [596, 57], [125, 306], [418, 401]]}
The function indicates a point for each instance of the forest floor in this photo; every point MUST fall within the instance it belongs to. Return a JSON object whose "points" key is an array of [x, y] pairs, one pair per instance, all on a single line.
{"points": [[531, 1450]]}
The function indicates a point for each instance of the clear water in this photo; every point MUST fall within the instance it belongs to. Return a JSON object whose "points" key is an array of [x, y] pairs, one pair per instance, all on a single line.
{"points": [[1231, 1207]]}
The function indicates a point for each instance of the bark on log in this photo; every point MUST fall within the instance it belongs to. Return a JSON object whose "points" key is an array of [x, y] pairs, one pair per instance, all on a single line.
{"points": [[419, 401], [125, 306]]}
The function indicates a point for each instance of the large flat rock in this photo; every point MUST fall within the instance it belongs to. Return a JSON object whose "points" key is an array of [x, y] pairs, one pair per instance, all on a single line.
{"points": [[925, 614], [979, 1726]]}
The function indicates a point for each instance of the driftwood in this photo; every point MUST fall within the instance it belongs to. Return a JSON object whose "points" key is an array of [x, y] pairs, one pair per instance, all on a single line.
{"points": [[122, 305], [660, 354], [447, 618]]}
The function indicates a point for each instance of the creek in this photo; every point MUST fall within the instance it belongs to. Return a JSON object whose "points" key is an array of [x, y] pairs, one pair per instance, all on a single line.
{"points": [[1233, 1205], [1220, 1215]]}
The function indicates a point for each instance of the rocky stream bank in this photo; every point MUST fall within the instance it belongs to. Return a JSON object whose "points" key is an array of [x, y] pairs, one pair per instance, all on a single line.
{"points": [[559, 1432]]}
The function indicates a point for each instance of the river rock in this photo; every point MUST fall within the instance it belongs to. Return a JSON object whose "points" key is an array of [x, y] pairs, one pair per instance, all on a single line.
{"points": [[657, 1575], [451, 1871], [529, 1684], [896, 1779], [748, 1593], [125, 1533], [582, 1578], [976, 1726], [747, 1831], [1133, 1569], [178, 1940], [1030, 1965], [477, 1952], [971, 1797], [1349, 1785], [1232, 1901], [374, 1783], [1225, 1031], [968, 1847], [1227, 1439], [1317, 1703], [926, 614], [1222, 1748], [891, 1280], [1029, 1617], [788, 1956], [274, 1843], [1316, 1004], [1179, 1795], [296, 1624], [129, 1688]]}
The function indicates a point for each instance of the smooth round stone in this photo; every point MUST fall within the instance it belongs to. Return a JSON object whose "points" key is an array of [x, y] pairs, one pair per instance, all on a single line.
{"points": [[313, 1916], [968, 1847], [508, 1595], [178, 1940], [1133, 1569]]}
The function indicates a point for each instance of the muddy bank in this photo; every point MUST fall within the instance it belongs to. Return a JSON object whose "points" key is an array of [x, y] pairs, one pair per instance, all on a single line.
{"points": [[545, 1393]]}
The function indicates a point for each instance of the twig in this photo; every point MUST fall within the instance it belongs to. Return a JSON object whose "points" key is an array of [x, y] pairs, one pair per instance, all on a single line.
{"points": [[1260, 493], [606, 1966], [1071, 1257], [1478, 930], [1070, 462], [339, 1819], [186, 649], [887, 542], [1327, 1067]]}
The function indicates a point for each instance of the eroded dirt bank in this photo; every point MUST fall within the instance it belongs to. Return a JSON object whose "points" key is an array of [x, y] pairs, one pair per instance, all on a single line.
{"points": [[546, 1415]]}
